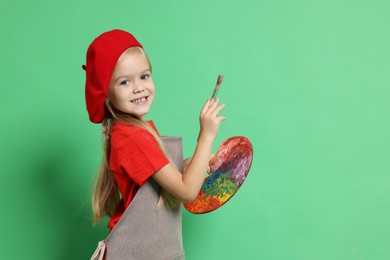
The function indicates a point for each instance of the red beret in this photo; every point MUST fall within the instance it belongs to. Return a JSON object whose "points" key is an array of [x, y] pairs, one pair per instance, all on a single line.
{"points": [[102, 55]]}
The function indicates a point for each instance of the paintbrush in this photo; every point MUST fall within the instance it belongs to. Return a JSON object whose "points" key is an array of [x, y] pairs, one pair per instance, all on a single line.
{"points": [[215, 92], [219, 81]]}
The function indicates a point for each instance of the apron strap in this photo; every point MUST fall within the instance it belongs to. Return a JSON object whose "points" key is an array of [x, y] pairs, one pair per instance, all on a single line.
{"points": [[99, 252]]}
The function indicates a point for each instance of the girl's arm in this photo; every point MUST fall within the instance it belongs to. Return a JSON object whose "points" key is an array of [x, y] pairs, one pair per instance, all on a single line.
{"points": [[186, 186]]}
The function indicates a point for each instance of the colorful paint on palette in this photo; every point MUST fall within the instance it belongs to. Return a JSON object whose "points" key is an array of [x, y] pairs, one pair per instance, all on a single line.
{"points": [[229, 169]]}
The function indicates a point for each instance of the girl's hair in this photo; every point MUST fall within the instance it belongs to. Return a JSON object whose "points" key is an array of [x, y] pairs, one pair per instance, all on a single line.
{"points": [[106, 196]]}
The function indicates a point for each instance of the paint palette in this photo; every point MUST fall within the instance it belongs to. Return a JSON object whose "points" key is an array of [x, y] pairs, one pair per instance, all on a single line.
{"points": [[229, 168]]}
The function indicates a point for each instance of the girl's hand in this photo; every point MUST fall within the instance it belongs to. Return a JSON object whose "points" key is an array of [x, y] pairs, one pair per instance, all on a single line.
{"points": [[208, 167], [210, 119]]}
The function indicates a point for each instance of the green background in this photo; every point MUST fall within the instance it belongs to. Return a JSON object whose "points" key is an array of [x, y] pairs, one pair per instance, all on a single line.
{"points": [[306, 81]]}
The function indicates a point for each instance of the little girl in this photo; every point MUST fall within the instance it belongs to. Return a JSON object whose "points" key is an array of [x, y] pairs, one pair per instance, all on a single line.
{"points": [[141, 183]]}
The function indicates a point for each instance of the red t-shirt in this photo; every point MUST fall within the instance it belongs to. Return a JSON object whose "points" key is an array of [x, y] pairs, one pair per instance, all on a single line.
{"points": [[135, 156]]}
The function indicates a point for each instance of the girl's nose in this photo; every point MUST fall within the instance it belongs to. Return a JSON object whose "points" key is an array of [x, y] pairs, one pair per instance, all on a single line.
{"points": [[138, 88]]}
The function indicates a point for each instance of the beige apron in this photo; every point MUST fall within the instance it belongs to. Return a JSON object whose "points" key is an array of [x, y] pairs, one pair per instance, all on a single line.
{"points": [[143, 232]]}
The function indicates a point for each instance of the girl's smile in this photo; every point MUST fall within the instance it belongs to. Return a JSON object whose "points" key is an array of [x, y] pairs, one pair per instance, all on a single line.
{"points": [[140, 101]]}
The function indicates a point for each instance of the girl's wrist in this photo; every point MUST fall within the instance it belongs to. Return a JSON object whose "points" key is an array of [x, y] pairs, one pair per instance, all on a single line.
{"points": [[203, 137]]}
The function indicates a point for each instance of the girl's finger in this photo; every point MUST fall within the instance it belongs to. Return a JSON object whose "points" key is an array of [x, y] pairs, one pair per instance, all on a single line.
{"points": [[218, 109], [221, 118], [213, 104], [205, 107]]}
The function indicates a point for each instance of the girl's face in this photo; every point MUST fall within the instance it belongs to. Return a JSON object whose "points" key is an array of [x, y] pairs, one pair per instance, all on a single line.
{"points": [[131, 88]]}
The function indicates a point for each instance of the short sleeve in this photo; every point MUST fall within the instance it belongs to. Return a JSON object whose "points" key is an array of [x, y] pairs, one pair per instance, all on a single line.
{"points": [[136, 154]]}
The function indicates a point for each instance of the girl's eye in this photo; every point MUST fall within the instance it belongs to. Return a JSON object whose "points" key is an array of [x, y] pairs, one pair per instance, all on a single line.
{"points": [[125, 82], [145, 76]]}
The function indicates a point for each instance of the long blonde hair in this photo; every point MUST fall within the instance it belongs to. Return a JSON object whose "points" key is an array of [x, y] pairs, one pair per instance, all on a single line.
{"points": [[106, 195]]}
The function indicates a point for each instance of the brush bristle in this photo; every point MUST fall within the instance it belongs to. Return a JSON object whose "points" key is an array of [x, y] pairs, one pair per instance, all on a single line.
{"points": [[219, 81]]}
